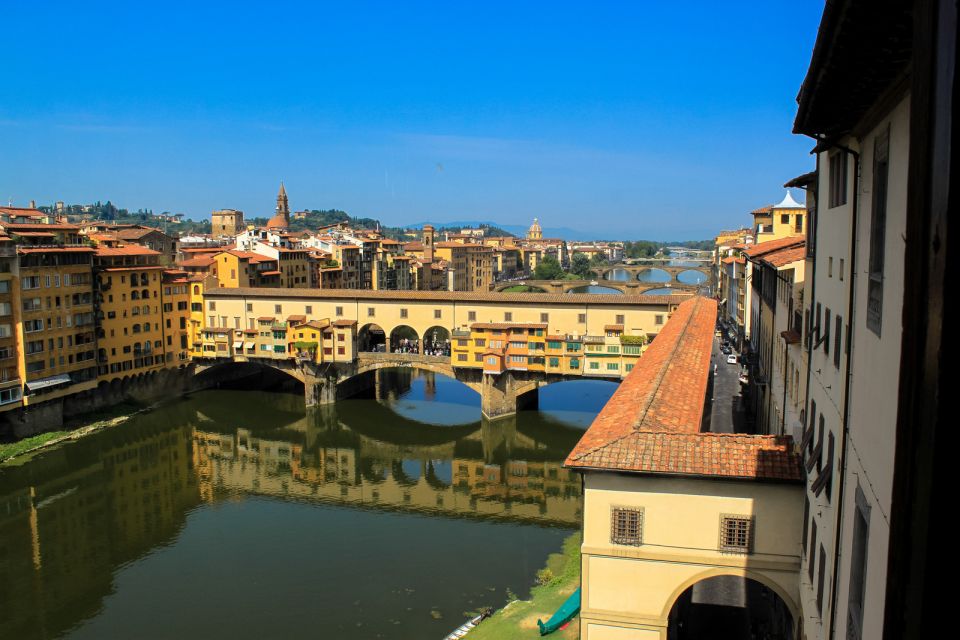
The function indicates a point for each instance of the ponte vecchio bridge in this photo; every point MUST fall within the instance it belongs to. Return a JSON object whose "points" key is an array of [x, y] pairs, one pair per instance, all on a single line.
{"points": [[502, 345]]}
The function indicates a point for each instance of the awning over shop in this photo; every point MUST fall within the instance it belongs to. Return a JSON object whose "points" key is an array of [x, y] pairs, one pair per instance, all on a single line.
{"points": [[45, 383], [237, 345]]}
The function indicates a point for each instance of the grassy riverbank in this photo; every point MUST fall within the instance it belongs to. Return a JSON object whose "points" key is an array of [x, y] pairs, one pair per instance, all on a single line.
{"points": [[76, 427], [12, 449], [518, 619]]}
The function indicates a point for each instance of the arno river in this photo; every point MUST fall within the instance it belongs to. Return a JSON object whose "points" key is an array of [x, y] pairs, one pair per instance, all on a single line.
{"points": [[237, 514]]}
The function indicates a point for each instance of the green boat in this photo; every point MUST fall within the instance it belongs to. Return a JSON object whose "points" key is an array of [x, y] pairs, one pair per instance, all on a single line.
{"points": [[567, 611]]}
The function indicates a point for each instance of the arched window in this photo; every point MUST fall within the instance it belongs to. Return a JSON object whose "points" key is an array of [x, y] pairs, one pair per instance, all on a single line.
{"points": [[196, 289], [136, 328], [134, 295], [146, 309]]}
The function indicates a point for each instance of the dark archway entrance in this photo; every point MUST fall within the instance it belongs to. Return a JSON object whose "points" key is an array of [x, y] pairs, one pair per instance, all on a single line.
{"points": [[729, 608], [371, 337], [404, 339], [436, 342]]}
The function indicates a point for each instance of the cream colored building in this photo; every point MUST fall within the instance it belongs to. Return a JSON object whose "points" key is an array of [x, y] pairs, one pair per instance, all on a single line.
{"points": [[857, 257], [675, 518]]}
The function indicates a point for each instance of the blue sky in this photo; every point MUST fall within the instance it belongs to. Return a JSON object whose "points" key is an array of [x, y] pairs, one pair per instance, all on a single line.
{"points": [[635, 119]]}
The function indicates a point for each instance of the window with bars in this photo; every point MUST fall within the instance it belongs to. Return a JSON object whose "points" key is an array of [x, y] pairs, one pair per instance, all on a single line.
{"points": [[736, 533], [878, 230], [626, 525]]}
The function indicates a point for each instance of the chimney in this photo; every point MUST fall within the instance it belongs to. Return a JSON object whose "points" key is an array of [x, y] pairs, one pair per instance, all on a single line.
{"points": [[33, 204]]}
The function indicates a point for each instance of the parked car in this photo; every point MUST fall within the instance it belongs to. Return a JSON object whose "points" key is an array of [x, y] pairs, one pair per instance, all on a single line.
{"points": [[732, 359], [725, 350]]}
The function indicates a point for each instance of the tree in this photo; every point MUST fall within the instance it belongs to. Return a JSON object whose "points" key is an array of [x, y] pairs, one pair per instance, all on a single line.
{"points": [[580, 265], [548, 269], [598, 260]]}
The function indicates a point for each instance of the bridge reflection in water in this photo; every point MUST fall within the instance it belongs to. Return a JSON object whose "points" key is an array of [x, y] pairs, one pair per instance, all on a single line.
{"points": [[367, 455], [76, 517]]}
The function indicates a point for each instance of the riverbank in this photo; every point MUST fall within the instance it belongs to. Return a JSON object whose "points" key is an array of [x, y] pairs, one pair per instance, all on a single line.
{"points": [[19, 450], [558, 580]]}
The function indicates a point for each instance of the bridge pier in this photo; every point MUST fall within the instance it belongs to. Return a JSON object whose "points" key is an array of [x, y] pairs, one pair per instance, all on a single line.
{"points": [[505, 394]]}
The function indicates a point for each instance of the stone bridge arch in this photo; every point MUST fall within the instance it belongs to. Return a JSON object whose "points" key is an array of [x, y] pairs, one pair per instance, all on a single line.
{"points": [[628, 287], [674, 271]]}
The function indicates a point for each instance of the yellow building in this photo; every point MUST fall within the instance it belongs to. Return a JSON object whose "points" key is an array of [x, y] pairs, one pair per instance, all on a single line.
{"points": [[788, 218], [196, 285], [176, 318], [130, 333], [471, 265], [57, 319], [11, 381]]}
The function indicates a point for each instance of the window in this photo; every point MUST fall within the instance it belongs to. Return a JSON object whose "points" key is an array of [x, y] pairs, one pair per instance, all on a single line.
{"points": [[582, 318], [736, 534], [837, 340], [784, 218], [626, 525], [249, 307], [858, 566], [211, 306], [878, 231], [461, 357], [840, 272], [436, 313], [613, 366], [620, 319], [278, 308], [370, 312], [826, 332], [472, 316], [830, 267], [544, 317], [403, 313], [811, 559], [838, 179], [658, 319], [823, 570], [507, 316]]}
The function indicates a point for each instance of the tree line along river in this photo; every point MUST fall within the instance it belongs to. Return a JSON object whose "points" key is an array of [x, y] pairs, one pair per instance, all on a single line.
{"points": [[239, 514]]}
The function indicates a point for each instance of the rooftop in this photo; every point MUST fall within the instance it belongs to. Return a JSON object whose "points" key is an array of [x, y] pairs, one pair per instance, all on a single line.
{"points": [[761, 249], [652, 422], [457, 296]]}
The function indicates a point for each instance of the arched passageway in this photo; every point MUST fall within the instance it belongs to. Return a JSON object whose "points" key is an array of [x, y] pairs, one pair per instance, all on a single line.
{"points": [[371, 337], [729, 608], [436, 342], [654, 275], [404, 339], [691, 276]]}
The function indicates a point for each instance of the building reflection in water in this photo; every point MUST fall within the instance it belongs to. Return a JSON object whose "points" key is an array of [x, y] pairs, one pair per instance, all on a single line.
{"points": [[488, 469], [72, 515]]}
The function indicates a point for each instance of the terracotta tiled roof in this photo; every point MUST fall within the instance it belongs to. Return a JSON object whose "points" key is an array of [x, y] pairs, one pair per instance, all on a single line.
{"points": [[767, 210], [126, 250], [593, 299], [55, 249], [204, 261], [723, 455], [784, 257], [297, 319], [652, 422], [344, 323], [613, 327], [136, 233], [763, 248]]}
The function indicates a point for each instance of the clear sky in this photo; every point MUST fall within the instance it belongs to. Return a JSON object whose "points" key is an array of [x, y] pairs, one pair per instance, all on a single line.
{"points": [[659, 120]]}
